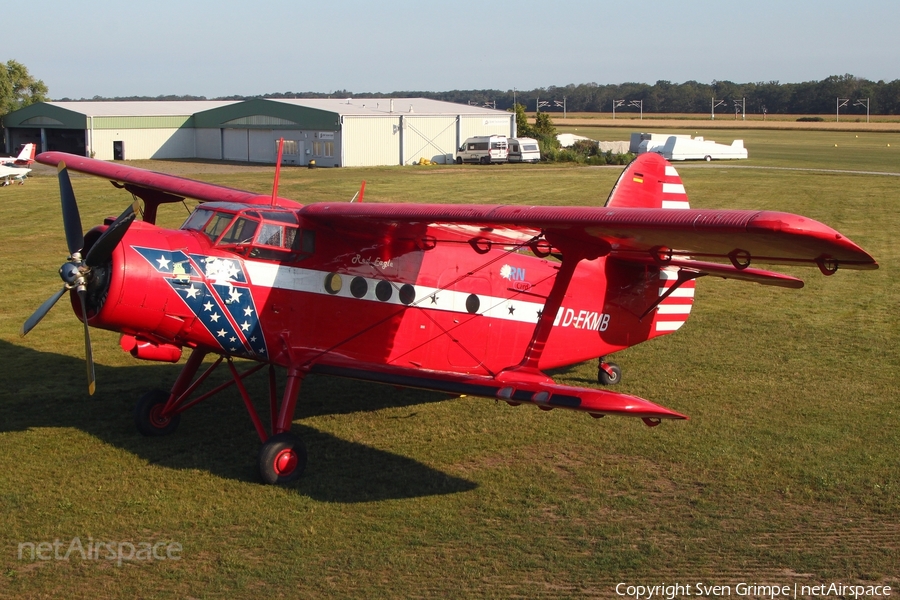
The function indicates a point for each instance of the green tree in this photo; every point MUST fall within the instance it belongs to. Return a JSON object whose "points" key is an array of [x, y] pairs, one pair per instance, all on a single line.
{"points": [[544, 127], [18, 88], [523, 127]]}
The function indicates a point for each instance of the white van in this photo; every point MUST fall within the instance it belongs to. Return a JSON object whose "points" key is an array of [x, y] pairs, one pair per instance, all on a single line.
{"points": [[524, 150], [483, 149]]}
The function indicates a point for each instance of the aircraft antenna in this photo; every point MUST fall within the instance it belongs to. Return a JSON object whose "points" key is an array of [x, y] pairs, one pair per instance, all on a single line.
{"points": [[277, 170]]}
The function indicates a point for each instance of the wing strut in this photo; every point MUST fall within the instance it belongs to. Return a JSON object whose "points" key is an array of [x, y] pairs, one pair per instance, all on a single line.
{"points": [[572, 254]]}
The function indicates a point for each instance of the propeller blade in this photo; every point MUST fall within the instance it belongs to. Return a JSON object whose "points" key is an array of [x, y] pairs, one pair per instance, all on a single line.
{"points": [[41, 312], [102, 250], [71, 218], [88, 353]]}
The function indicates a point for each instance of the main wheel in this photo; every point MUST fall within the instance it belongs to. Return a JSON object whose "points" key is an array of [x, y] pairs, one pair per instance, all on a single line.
{"points": [[459, 160], [282, 458], [611, 378], [148, 417], [485, 160]]}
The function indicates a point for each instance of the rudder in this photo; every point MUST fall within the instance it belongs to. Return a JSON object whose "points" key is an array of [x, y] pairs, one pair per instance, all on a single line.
{"points": [[649, 181]]}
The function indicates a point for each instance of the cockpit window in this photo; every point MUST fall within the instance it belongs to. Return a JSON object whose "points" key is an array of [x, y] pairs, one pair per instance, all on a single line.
{"points": [[272, 235], [217, 225], [241, 232], [198, 219]]}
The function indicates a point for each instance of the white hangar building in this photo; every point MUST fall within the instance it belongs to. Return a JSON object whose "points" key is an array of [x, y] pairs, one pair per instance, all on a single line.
{"points": [[332, 132]]}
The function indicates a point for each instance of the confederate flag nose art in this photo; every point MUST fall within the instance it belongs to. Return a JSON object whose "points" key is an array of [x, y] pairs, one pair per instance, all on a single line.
{"points": [[216, 292]]}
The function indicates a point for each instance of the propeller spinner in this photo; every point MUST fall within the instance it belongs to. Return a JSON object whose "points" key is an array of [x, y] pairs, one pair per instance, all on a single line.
{"points": [[77, 272]]}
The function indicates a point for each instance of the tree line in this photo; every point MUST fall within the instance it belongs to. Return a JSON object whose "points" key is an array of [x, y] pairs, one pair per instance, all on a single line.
{"points": [[18, 88], [771, 97]]}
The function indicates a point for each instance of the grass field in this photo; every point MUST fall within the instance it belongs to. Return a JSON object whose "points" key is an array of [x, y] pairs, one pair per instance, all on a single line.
{"points": [[787, 473]]}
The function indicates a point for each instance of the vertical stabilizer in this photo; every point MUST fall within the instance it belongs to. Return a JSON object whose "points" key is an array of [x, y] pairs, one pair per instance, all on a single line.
{"points": [[26, 156], [648, 182]]}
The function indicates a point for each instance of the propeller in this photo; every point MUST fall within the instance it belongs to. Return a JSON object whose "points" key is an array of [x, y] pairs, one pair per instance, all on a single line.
{"points": [[77, 272]]}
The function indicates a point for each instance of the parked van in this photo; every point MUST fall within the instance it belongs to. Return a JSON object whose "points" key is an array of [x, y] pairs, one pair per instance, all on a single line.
{"points": [[524, 150], [483, 149]]}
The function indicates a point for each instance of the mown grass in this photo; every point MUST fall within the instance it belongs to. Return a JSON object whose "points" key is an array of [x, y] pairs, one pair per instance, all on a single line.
{"points": [[787, 470]]}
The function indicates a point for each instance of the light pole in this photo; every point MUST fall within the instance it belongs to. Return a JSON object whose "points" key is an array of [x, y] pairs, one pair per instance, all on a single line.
{"points": [[865, 103], [841, 103], [638, 104], [615, 104], [713, 106], [561, 105]]}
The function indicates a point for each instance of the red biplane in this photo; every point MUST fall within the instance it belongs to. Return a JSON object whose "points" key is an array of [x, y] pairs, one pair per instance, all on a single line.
{"points": [[464, 299]]}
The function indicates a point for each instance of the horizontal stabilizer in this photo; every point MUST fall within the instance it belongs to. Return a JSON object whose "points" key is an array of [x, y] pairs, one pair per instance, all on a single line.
{"points": [[724, 271]]}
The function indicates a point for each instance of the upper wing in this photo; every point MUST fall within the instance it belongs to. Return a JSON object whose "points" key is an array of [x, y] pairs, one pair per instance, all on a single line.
{"points": [[736, 236], [177, 188]]}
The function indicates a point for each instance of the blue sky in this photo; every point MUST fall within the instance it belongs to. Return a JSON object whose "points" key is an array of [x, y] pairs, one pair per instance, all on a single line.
{"points": [[204, 48]]}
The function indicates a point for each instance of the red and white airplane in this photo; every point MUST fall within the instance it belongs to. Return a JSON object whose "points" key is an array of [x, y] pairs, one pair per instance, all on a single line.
{"points": [[24, 158], [15, 168], [464, 299]]}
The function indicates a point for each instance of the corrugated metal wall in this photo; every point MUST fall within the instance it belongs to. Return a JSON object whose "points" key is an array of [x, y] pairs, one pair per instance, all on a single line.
{"points": [[472, 125], [235, 144], [262, 146], [209, 143], [433, 138], [370, 141], [144, 143]]}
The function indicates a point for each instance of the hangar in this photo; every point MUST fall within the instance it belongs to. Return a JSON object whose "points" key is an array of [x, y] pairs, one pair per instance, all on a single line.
{"points": [[331, 132]]}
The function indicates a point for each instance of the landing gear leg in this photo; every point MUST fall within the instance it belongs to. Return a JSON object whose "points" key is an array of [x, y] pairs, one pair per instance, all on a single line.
{"points": [[608, 373]]}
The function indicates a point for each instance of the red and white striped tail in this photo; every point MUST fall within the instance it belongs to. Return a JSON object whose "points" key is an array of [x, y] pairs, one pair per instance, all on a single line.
{"points": [[651, 182], [648, 182]]}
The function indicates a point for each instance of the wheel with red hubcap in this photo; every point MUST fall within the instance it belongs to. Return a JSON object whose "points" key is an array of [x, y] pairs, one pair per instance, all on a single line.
{"points": [[148, 414], [282, 458], [610, 377]]}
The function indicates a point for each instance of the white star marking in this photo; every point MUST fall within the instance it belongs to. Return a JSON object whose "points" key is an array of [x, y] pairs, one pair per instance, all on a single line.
{"points": [[207, 306], [214, 317], [231, 270], [232, 339], [192, 292], [248, 311], [234, 295], [163, 262], [245, 326], [221, 333]]}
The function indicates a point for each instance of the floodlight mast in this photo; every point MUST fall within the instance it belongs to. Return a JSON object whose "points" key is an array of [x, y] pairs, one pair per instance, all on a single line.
{"points": [[616, 103], [639, 104], [841, 102], [865, 103], [713, 106]]}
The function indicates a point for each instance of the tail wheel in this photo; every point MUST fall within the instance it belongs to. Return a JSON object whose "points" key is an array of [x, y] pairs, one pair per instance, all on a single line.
{"points": [[148, 415], [609, 374], [282, 459]]}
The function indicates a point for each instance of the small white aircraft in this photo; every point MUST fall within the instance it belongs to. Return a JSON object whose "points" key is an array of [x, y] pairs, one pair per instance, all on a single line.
{"points": [[15, 168], [24, 159]]}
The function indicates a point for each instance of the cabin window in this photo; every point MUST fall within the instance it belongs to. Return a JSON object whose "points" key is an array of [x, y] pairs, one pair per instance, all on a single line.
{"points": [[217, 225], [283, 242], [198, 219], [241, 232]]}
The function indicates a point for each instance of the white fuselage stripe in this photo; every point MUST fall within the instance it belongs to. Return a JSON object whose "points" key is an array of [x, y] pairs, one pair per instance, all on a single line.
{"points": [[313, 282]]}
